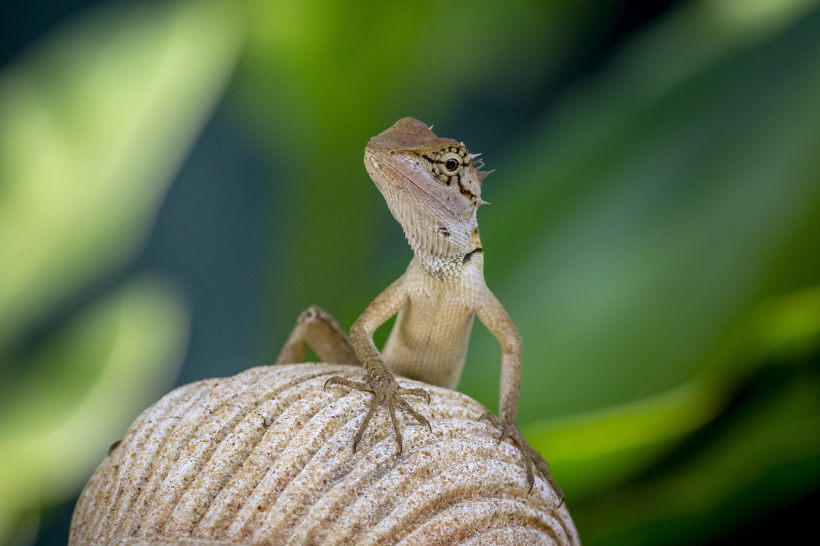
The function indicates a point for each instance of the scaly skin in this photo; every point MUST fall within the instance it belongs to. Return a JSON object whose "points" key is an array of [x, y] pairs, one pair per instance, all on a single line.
{"points": [[433, 188]]}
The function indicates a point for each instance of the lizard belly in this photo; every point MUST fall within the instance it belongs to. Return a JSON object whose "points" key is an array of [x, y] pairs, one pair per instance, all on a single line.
{"points": [[429, 340]]}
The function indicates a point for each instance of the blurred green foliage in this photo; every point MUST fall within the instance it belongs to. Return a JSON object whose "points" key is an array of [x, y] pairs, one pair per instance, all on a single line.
{"points": [[655, 233], [94, 124], [318, 79]]}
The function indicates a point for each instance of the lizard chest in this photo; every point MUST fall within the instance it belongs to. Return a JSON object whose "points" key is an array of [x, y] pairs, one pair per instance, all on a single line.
{"points": [[429, 340], [435, 303]]}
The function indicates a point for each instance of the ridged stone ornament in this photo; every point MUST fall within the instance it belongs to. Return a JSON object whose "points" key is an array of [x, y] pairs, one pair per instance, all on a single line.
{"points": [[266, 457]]}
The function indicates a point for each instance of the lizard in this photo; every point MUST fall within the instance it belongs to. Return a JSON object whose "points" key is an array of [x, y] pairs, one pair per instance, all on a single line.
{"points": [[432, 186]]}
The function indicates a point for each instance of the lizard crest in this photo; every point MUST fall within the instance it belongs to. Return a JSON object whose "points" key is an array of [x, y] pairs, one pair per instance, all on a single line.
{"points": [[432, 186]]}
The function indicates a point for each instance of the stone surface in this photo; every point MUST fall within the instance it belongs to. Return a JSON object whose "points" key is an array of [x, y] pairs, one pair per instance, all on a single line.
{"points": [[265, 457]]}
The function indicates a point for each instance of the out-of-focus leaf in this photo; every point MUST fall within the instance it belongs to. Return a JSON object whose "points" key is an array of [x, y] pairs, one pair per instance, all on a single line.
{"points": [[321, 77], [661, 202], [593, 452], [650, 215], [93, 125], [768, 456], [99, 374]]}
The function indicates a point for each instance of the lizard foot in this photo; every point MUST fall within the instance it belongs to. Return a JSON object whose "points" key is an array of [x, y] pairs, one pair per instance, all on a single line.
{"points": [[386, 392], [532, 457]]}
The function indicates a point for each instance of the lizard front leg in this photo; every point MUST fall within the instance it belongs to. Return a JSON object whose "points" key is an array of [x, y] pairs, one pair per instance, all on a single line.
{"points": [[498, 322], [380, 381], [315, 328]]}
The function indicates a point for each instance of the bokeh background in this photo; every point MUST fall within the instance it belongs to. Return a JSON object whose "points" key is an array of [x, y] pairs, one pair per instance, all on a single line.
{"points": [[179, 179]]}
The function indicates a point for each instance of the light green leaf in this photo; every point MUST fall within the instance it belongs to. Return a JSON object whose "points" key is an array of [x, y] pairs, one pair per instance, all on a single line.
{"points": [[767, 455], [590, 453], [94, 123], [126, 350]]}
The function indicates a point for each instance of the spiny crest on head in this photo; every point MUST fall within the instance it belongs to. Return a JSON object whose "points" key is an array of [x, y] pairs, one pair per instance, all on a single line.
{"points": [[412, 135], [481, 175], [477, 166]]}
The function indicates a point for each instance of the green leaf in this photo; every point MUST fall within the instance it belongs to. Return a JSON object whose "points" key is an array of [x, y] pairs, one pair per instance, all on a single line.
{"points": [[99, 373], [593, 452], [660, 202], [766, 454], [94, 123], [321, 77], [631, 234]]}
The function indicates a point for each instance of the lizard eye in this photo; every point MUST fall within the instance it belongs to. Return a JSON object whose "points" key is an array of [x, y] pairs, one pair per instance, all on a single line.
{"points": [[451, 161]]}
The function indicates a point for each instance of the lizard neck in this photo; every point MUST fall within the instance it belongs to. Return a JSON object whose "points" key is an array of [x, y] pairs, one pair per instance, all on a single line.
{"points": [[445, 268]]}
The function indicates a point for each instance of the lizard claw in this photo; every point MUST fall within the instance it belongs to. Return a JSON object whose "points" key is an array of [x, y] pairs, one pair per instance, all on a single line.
{"points": [[416, 392], [531, 456], [489, 416], [419, 417]]}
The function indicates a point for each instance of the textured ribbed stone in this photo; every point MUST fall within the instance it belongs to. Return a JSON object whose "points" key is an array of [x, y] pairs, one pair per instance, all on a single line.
{"points": [[265, 457]]}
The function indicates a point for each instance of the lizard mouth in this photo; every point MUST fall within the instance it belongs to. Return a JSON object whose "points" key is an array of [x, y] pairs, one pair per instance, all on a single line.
{"points": [[391, 172]]}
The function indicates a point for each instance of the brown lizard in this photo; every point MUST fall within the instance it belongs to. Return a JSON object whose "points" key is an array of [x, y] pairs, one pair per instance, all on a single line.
{"points": [[433, 188]]}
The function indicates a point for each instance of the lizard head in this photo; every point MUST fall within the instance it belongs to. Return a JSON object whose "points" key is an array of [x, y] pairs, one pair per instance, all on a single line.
{"points": [[432, 186]]}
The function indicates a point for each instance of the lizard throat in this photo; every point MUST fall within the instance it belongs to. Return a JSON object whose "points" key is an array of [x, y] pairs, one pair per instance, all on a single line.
{"points": [[452, 262], [449, 268]]}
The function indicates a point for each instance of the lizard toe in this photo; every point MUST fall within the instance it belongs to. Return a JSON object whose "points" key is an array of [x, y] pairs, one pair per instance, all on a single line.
{"points": [[339, 380], [416, 415], [415, 392], [391, 407], [374, 405], [490, 417]]}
